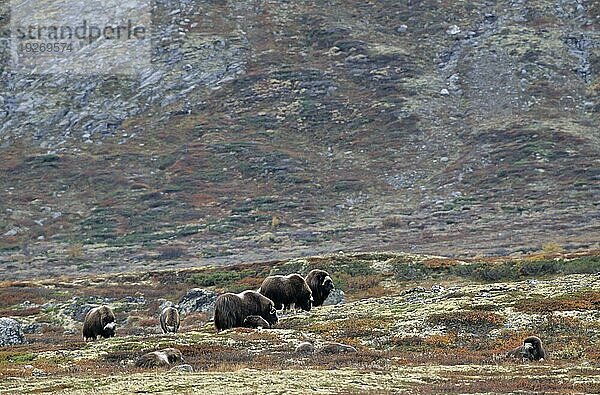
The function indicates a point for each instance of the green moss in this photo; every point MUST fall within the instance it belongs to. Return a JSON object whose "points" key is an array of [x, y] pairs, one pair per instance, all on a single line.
{"points": [[214, 278], [17, 358]]}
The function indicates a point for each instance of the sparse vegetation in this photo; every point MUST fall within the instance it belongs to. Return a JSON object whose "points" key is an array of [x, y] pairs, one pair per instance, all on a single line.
{"points": [[459, 331]]}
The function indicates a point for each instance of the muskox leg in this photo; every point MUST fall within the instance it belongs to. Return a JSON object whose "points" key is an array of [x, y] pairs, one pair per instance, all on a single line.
{"points": [[289, 309]]}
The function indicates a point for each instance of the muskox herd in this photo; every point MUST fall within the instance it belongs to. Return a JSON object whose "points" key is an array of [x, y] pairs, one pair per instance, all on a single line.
{"points": [[255, 309], [251, 309], [259, 308]]}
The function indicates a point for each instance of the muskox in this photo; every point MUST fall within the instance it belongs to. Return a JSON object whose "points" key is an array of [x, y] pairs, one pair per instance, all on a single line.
{"points": [[287, 291], [531, 349], [99, 321], [165, 357], [255, 321], [320, 284], [169, 320], [232, 309]]}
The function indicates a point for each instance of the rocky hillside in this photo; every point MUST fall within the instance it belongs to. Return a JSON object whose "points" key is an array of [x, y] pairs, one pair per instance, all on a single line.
{"points": [[411, 324], [273, 129]]}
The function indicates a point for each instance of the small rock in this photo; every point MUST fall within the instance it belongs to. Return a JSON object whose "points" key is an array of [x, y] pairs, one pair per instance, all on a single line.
{"points": [[38, 372], [305, 348], [11, 232], [402, 28], [453, 30], [413, 290], [337, 296], [185, 368], [35, 327], [444, 92], [10, 332], [336, 348], [437, 288], [79, 311], [198, 300]]}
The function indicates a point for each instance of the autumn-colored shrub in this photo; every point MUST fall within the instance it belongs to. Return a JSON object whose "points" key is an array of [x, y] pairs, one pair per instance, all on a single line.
{"points": [[472, 321], [589, 300]]}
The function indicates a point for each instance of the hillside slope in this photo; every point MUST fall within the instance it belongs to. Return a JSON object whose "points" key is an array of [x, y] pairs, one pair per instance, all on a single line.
{"points": [[276, 129]]}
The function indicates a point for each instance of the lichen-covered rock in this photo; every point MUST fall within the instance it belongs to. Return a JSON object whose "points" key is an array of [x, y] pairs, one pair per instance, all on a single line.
{"points": [[10, 332], [337, 296], [198, 300], [336, 348], [185, 368], [78, 311], [305, 348]]}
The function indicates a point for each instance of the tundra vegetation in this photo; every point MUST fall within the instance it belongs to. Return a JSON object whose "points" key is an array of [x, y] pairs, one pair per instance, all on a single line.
{"points": [[419, 324]]}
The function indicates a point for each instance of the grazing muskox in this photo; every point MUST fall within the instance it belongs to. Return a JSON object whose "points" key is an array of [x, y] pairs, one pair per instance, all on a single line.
{"points": [[255, 321], [531, 349], [165, 357], [99, 321], [232, 309], [320, 284], [169, 320], [286, 291]]}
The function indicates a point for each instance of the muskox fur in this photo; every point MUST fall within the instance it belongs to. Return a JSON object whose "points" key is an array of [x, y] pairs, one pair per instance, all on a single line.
{"points": [[532, 349], [165, 357], [256, 321], [320, 284], [232, 309], [287, 291], [99, 321], [169, 320]]}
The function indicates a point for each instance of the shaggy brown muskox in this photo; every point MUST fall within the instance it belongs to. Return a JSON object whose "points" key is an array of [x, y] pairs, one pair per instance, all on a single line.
{"points": [[320, 284], [531, 349], [286, 291], [256, 321], [165, 357], [232, 309], [169, 320], [99, 321]]}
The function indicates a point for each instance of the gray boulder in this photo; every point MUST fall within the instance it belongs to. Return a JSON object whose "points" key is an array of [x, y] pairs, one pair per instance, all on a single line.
{"points": [[11, 333], [305, 348], [198, 300], [78, 311], [336, 297], [336, 348]]}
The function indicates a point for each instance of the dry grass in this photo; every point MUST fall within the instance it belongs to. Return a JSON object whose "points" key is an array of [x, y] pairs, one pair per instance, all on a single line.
{"points": [[477, 321], [581, 302]]}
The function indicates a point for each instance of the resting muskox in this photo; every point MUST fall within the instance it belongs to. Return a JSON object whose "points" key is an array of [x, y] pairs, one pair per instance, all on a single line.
{"points": [[163, 357], [99, 321], [320, 284], [255, 321], [531, 349], [169, 320], [232, 309], [286, 291]]}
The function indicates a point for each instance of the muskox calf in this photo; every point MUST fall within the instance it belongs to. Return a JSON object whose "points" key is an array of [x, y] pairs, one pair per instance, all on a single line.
{"points": [[320, 284], [255, 321], [99, 321], [169, 320], [232, 309], [287, 291], [531, 349], [165, 357]]}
